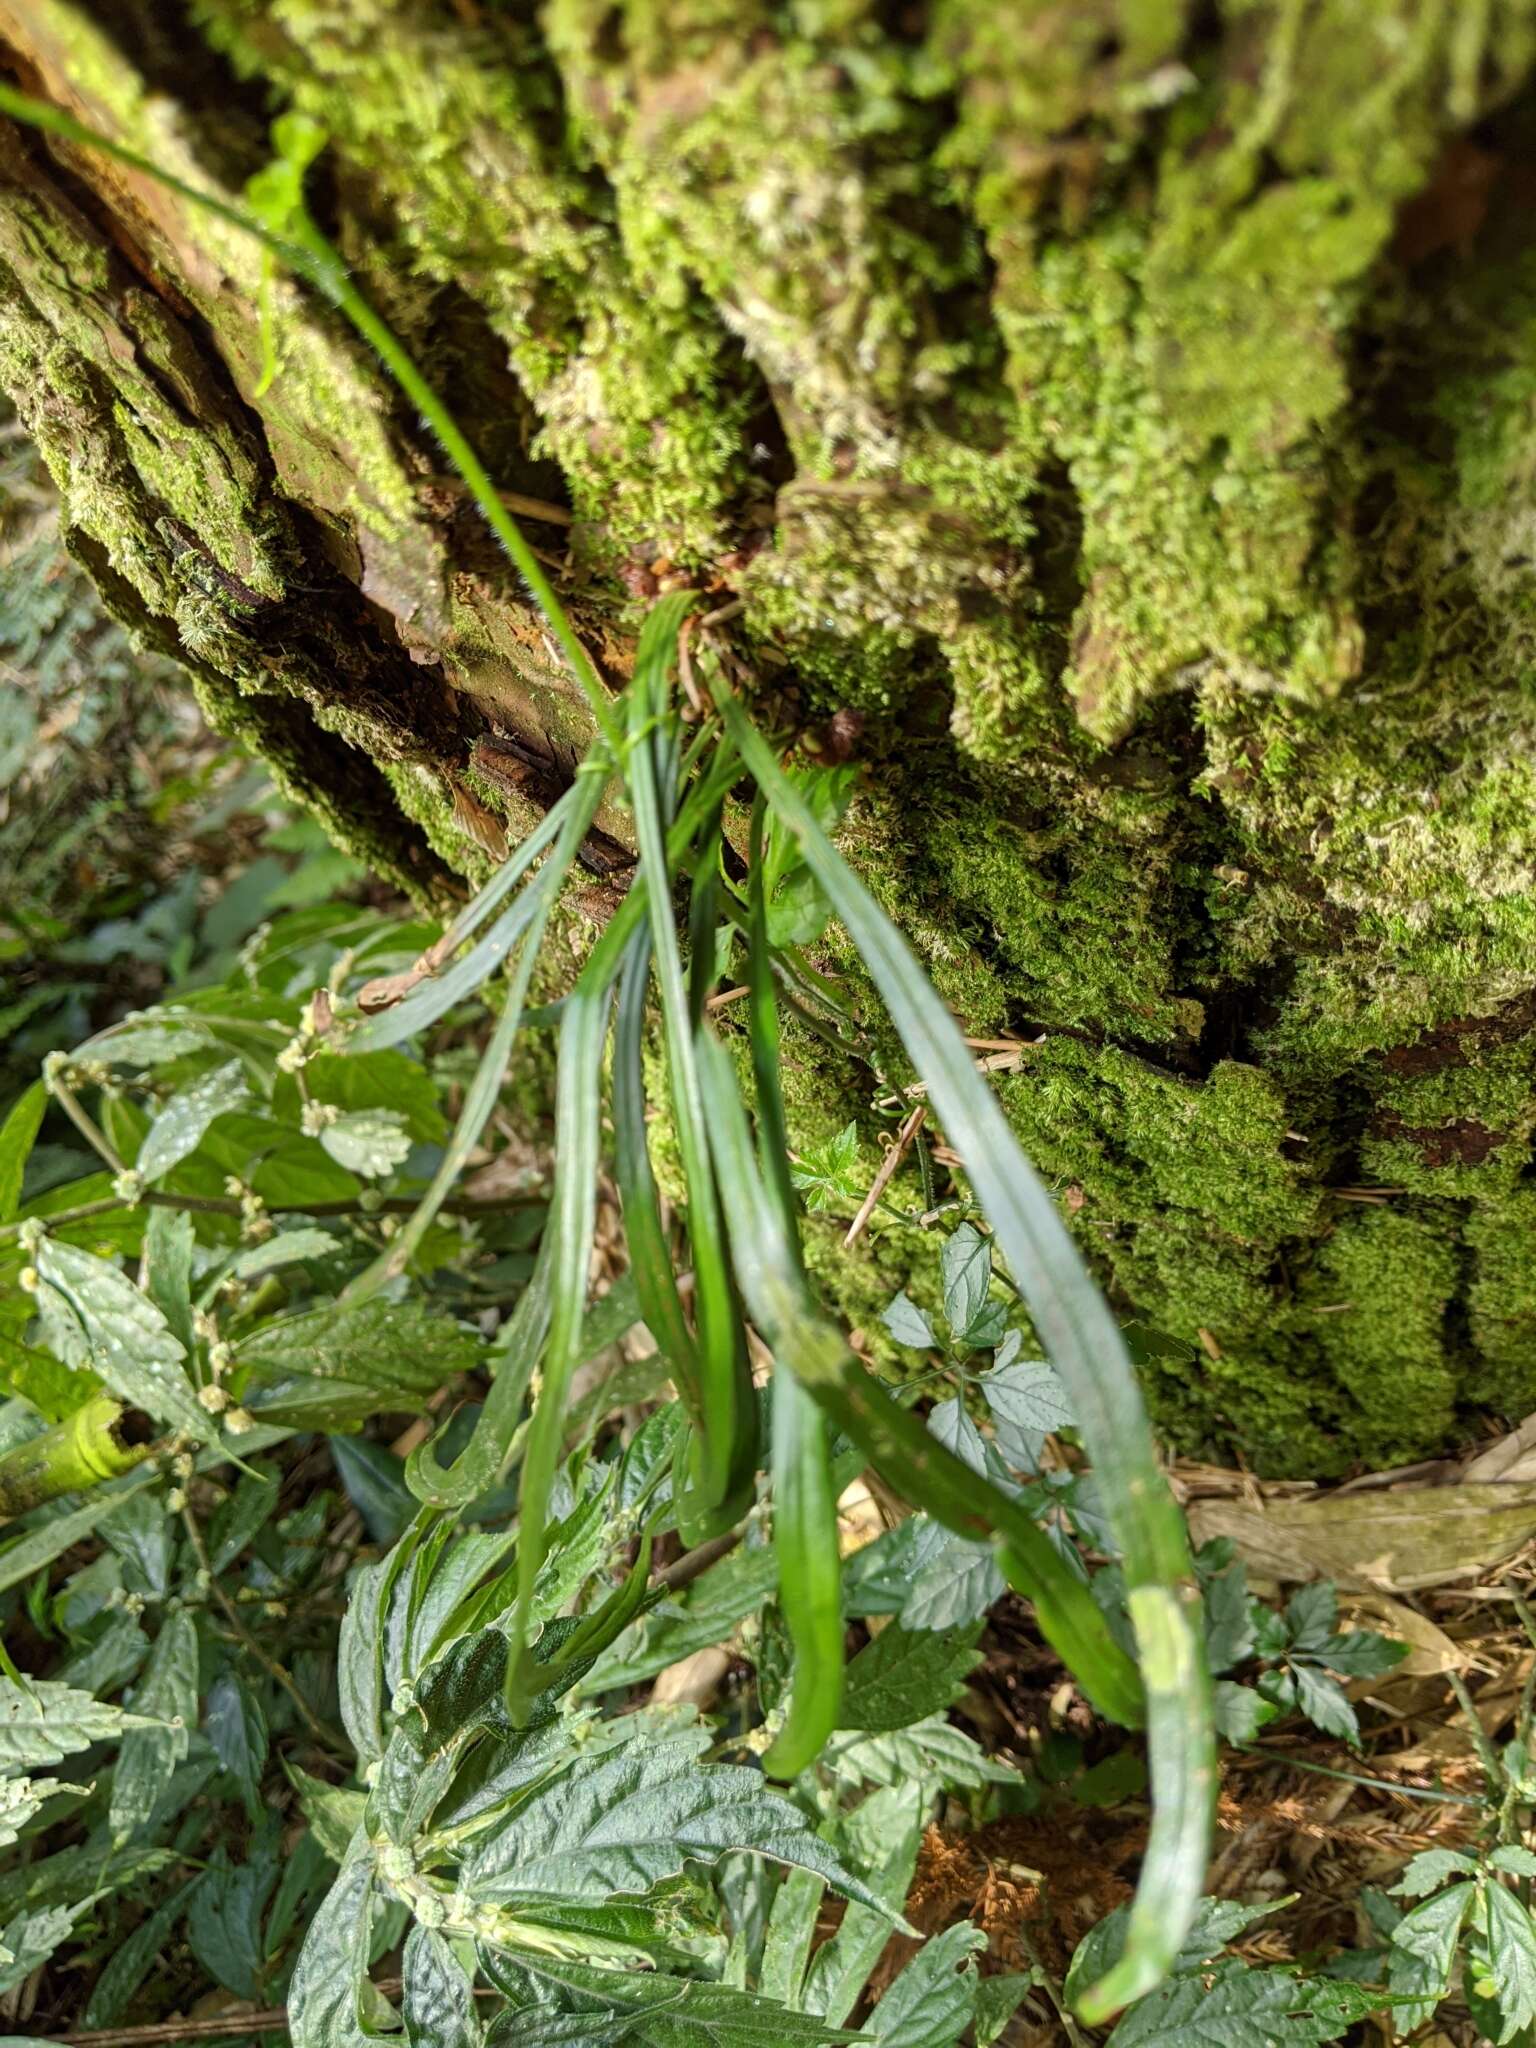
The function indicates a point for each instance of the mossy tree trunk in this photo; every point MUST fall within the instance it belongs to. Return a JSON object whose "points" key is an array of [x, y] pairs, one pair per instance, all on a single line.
{"points": [[1126, 408]]}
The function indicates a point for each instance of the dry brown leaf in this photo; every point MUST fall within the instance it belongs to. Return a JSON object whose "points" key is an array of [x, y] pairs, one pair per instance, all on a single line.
{"points": [[1430, 1649], [694, 1679], [1398, 1540]]}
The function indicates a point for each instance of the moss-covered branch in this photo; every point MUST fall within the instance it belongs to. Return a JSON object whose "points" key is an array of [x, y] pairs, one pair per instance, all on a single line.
{"points": [[1117, 426]]}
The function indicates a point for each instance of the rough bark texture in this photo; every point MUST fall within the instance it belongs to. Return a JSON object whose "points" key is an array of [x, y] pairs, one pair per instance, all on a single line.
{"points": [[1127, 406]]}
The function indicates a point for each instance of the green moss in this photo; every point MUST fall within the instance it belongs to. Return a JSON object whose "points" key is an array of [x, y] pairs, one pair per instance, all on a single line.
{"points": [[637, 396], [1070, 392], [1502, 1302], [1378, 1298]]}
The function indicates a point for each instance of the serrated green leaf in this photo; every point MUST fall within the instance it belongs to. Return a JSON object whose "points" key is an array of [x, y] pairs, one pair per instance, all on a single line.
{"points": [[224, 1922], [146, 1045], [379, 1080], [997, 2000], [168, 1241], [1238, 1711], [325, 1993], [965, 1267], [180, 1127], [286, 1247], [1511, 1959], [1423, 1953], [903, 1677], [829, 1174], [375, 1481], [54, 1390], [334, 1813], [31, 1938], [1431, 1867], [933, 2000], [907, 1324], [1508, 1856], [40, 1546], [1216, 1922], [881, 1837], [1323, 1702], [140, 1532], [1236, 2007], [18, 1134], [628, 1821], [20, 1800], [789, 1934], [642, 2007], [240, 1515], [97, 1320], [949, 1422], [1359, 1653], [957, 1587], [1312, 1614], [1229, 1634], [394, 1347], [42, 1722], [372, 1142], [438, 2003], [1028, 1403], [932, 1753]]}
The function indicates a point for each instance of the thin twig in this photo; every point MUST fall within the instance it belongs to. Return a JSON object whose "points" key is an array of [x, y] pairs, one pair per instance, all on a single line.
{"points": [[1299, 1763], [886, 1173], [1487, 1755], [228, 2027], [91, 1131], [694, 1562], [226, 1205], [332, 1738]]}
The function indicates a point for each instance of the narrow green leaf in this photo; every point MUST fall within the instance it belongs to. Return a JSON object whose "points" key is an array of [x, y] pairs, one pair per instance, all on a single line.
{"points": [[168, 1241], [727, 1450], [1085, 1345], [791, 1928], [805, 1536], [481, 1095], [18, 1134], [572, 1224]]}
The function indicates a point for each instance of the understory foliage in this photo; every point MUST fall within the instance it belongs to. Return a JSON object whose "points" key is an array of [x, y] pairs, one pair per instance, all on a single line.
{"points": [[280, 1247]]}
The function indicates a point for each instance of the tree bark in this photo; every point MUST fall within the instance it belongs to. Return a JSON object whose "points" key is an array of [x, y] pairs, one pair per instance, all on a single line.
{"points": [[1117, 421]]}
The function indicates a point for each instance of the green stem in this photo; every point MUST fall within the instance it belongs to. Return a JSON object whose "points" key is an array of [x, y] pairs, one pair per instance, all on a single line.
{"points": [[98, 1442], [226, 1205], [88, 1128]]}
